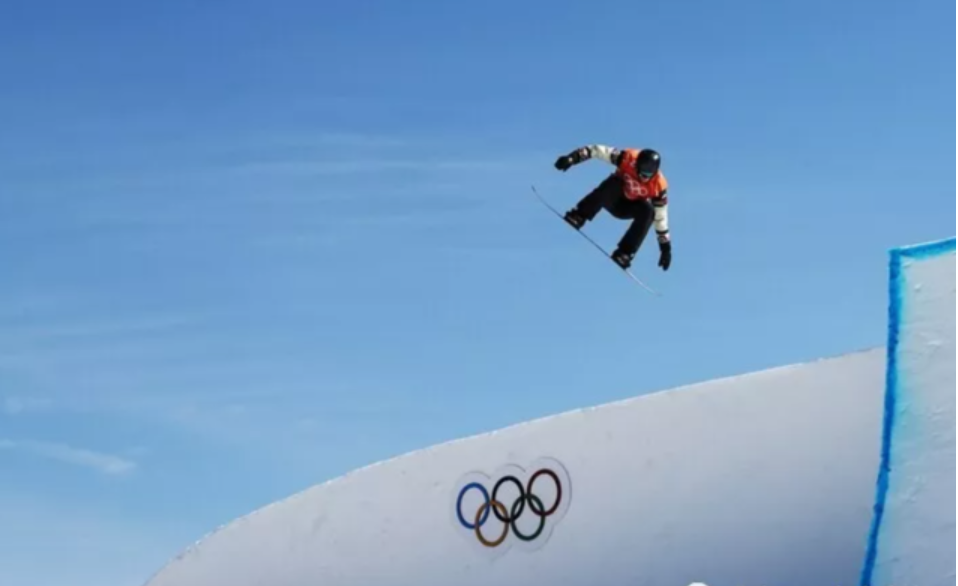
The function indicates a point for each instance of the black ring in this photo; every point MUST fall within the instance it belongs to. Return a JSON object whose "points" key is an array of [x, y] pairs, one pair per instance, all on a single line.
{"points": [[521, 500]]}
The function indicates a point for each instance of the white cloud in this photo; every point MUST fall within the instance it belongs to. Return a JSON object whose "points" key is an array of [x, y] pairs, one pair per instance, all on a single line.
{"points": [[104, 463], [23, 405], [94, 329], [367, 165], [356, 139]]}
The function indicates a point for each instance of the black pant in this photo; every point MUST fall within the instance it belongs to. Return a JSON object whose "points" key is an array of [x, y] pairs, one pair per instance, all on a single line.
{"points": [[609, 195]]}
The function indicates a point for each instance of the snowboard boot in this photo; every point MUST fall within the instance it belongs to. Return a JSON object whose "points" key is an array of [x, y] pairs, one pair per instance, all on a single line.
{"points": [[623, 258], [575, 219]]}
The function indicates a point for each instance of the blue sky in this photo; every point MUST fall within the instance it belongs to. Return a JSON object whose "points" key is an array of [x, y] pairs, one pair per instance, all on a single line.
{"points": [[248, 247]]}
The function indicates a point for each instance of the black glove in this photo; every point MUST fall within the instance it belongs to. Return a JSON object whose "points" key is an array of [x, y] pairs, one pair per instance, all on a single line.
{"points": [[665, 254], [565, 162]]}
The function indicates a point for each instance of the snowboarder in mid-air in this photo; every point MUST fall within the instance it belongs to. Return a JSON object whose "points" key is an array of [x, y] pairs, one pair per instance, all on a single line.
{"points": [[637, 191]]}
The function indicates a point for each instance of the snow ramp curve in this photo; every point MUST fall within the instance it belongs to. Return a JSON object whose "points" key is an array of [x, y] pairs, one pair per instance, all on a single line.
{"points": [[763, 479]]}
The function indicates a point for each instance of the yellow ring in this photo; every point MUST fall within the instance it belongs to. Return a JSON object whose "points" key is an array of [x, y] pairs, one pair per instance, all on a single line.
{"points": [[505, 526]]}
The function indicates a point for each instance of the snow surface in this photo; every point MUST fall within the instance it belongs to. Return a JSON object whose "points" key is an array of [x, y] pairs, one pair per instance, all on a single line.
{"points": [[914, 534], [767, 479]]}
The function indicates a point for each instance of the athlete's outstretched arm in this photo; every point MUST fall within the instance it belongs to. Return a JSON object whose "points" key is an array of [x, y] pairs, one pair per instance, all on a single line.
{"points": [[606, 153], [602, 152]]}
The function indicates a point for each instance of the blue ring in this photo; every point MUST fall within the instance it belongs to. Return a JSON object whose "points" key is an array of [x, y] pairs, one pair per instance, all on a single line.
{"points": [[486, 507]]}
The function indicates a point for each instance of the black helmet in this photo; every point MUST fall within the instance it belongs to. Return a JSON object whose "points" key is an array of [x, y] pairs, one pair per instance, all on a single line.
{"points": [[648, 163]]}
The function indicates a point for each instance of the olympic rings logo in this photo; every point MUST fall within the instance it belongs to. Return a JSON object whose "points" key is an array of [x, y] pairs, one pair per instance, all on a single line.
{"points": [[490, 512]]}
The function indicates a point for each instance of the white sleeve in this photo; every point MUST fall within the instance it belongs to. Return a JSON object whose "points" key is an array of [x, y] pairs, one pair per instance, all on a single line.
{"points": [[662, 218], [605, 153]]}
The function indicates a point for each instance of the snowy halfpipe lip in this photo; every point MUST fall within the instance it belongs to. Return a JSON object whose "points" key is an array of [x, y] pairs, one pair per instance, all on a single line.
{"points": [[910, 541], [764, 478]]}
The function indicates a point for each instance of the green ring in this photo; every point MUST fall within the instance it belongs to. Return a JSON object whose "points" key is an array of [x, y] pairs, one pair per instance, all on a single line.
{"points": [[542, 520]]}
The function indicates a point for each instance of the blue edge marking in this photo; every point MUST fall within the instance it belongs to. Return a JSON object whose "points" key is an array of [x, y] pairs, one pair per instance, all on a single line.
{"points": [[897, 260]]}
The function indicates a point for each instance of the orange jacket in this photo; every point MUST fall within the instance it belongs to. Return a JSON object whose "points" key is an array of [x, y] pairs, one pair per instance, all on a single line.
{"points": [[656, 188]]}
